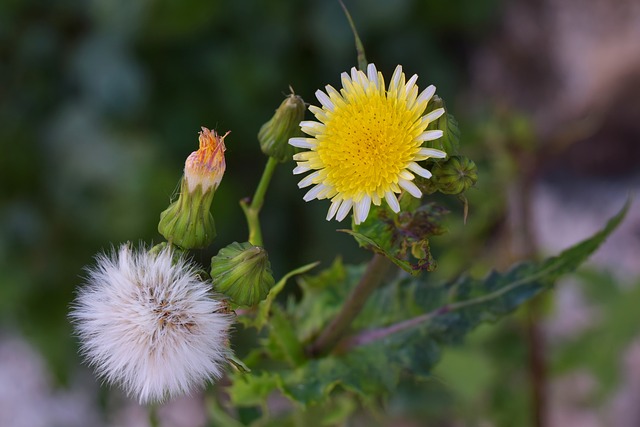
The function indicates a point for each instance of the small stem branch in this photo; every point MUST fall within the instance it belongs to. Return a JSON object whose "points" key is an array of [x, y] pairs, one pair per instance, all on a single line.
{"points": [[252, 211], [369, 281]]}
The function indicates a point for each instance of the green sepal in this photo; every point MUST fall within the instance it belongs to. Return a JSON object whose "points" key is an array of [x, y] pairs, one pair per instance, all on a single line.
{"points": [[450, 139], [188, 222], [242, 272]]}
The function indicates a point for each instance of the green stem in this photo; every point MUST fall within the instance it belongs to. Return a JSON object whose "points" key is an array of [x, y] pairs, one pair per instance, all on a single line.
{"points": [[252, 211], [154, 421], [369, 281], [362, 59]]}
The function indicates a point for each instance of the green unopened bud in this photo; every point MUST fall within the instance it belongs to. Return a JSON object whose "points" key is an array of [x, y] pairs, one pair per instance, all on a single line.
{"points": [[285, 123], [455, 175], [242, 272], [188, 222]]}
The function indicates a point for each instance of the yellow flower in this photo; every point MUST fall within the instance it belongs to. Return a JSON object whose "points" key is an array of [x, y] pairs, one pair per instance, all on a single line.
{"points": [[367, 142]]}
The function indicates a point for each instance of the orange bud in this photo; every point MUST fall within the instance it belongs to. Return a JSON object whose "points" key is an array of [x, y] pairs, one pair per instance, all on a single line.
{"points": [[206, 166]]}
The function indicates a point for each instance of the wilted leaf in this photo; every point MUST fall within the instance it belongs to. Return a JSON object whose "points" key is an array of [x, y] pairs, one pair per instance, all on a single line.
{"points": [[402, 237]]}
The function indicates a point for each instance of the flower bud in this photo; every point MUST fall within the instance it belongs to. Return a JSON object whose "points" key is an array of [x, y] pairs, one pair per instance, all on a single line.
{"points": [[455, 175], [188, 222], [274, 135], [242, 272], [206, 166]]}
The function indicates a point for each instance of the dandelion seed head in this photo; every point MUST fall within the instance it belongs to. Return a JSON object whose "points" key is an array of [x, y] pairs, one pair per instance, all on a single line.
{"points": [[148, 323]]}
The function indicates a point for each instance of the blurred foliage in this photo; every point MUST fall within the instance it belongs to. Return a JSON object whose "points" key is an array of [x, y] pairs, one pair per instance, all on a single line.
{"points": [[101, 102]]}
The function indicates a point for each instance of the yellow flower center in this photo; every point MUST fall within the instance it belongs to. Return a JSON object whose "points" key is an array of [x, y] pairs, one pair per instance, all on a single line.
{"points": [[368, 141]]}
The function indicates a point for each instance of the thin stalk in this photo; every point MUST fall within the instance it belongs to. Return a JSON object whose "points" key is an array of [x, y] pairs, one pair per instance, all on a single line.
{"points": [[370, 280], [524, 246], [362, 59], [154, 421], [252, 211]]}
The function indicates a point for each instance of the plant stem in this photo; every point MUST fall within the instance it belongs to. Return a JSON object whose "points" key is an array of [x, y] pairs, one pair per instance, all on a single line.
{"points": [[369, 281], [524, 246], [362, 59], [252, 211], [154, 421]]}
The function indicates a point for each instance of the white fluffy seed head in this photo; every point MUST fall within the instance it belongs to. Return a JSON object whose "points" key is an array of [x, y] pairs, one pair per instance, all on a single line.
{"points": [[148, 323]]}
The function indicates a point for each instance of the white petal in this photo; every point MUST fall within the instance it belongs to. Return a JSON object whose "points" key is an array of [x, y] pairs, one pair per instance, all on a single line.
{"points": [[311, 127], [372, 73], [392, 201], [430, 135], [301, 168], [308, 180], [313, 193], [410, 187], [414, 167], [375, 199], [362, 209], [344, 77], [435, 114], [432, 152], [411, 83], [405, 174], [345, 207], [426, 94], [302, 142], [354, 74], [326, 192], [305, 155], [395, 78], [335, 204], [324, 100]]}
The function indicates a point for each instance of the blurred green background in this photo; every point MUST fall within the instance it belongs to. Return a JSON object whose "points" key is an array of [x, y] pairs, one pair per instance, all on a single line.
{"points": [[101, 102]]}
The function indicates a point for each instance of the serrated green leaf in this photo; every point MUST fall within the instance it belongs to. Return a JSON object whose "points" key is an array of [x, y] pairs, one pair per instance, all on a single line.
{"points": [[252, 390], [376, 358], [402, 237], [363, 372], [468, 302], [450, 139], [323, 295], [283, 342]]}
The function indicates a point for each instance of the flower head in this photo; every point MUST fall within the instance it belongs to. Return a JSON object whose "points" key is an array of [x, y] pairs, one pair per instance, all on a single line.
{"points": [[148, 323], [206, 166], [367, 142]]}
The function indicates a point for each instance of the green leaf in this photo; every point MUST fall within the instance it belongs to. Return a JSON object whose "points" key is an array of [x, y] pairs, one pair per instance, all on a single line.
{"points": [[218, 416], [402, 237], [323, 295], [263, 308], [450, 139], [252, 390], [259, 318], [374, 359], [283, 342]]}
